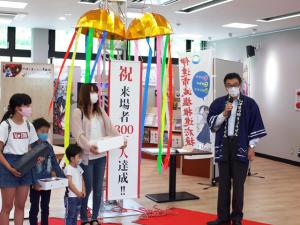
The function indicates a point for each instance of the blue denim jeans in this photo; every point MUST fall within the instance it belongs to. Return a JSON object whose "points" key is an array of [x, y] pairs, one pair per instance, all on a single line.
{"points": [[93, 177], [72, 205]]}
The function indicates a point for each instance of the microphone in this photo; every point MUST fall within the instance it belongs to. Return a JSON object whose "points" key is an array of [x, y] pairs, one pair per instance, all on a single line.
{"points": [[231, 101]]}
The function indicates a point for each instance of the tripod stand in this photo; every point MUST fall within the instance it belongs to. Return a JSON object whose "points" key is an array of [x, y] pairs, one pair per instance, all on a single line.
{"points": [[214, 180], [250, 174]]}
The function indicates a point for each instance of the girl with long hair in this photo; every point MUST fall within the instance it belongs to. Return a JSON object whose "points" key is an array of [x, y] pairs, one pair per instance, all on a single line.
{"points": [[16, 136]]}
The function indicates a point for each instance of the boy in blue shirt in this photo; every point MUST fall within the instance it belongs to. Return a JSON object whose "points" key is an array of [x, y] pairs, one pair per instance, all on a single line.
{"points": [[46, 169]]}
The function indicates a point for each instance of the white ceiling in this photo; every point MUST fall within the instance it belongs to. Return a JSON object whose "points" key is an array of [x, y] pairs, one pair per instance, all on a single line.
{"points": [[207, 23]]}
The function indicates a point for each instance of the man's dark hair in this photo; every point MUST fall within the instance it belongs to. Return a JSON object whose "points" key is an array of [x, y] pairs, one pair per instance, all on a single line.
{"points": [[231, 76], [72, 150], [40, 122]]}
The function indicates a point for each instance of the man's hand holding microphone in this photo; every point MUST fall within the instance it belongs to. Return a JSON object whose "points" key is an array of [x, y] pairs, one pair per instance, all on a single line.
{"points": [[228, 107]]}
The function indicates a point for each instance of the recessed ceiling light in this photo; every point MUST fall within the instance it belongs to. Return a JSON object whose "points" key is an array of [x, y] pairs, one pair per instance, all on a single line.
{"points": [[132, 15], [68, 14], [5, 21], [281, 17], [155, 2], [13, 5], [62, 18], [239, 25], [88, 1], [203, 5]]}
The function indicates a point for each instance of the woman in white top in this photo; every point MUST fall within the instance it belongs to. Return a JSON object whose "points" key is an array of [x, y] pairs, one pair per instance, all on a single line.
{"points": [[16, 136], [89, 123]]}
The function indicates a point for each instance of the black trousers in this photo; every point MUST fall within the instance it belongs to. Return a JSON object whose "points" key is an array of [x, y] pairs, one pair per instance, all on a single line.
{"points": [[231, 171], [35, 198]]}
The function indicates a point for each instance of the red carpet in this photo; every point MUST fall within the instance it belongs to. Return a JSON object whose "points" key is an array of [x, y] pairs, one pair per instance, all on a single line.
{"points": [[186, 217], [59, 221]]}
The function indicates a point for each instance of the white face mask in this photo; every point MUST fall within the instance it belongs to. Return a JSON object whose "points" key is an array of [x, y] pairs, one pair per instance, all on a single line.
{"points": [[234, 91], [94, 97]]}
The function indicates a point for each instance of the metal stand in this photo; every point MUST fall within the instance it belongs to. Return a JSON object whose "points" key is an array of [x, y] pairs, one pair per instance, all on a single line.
{"points": [[253, 174], [172, 196], [214, 180]]}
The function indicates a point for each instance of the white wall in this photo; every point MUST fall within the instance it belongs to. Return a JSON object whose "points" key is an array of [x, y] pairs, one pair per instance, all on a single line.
{"points": [[274, 79]]}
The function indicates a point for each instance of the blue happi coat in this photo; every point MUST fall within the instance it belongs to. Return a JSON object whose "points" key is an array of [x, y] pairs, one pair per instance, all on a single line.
{"points": [[248, 125]]}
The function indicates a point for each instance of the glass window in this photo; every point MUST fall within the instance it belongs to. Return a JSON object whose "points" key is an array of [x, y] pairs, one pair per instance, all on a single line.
{"points": [[81, 63], [63, 39], [3, 37], [143, 47], [178, 46], [4, 59], [22, 59], [23, 38], [196, 45], [118, 46]]}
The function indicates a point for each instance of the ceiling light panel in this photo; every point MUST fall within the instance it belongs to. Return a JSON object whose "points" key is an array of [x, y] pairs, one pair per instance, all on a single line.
{"points": [[203, 5], [239, 25], [280, 17], [13, 5], [155, 2]]}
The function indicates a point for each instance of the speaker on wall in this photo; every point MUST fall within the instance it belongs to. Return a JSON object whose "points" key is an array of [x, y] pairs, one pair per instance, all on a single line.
{"points": [[250, 51]]}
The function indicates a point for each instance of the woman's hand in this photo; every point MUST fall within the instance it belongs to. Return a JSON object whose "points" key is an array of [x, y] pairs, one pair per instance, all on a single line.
{"points": [[125, 145], [81, 195], [94, 150], [36, 187], [15, 172]]}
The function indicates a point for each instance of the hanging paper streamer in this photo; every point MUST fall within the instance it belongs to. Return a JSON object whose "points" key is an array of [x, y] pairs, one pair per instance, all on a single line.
{"points": [[98, 55], [136, 50], [89, 55], [162, 128], [170, 134], [146, 88], [111, 47], [60, 71], [69, 92], [99, 74], [129, 50], [158, 78]]}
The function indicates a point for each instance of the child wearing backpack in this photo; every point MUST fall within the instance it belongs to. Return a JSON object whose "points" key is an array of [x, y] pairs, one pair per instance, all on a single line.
{"points": [[16, 136]]}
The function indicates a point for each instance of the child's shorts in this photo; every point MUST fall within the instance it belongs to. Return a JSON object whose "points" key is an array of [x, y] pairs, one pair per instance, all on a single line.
{"points": [[7, 179]]}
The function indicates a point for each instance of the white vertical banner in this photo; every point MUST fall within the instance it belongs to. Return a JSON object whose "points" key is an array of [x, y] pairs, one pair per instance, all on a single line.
{"points": [[196, 94], [125, 93]]}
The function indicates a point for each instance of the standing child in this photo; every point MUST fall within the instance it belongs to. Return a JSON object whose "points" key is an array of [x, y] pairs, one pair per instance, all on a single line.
{"points": [[16, 136], [76, 187], [42, 171]]}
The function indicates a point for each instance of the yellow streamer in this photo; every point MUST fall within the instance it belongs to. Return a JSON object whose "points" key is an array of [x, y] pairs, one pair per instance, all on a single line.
{"points": [[164, 105], [68, 97]]}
